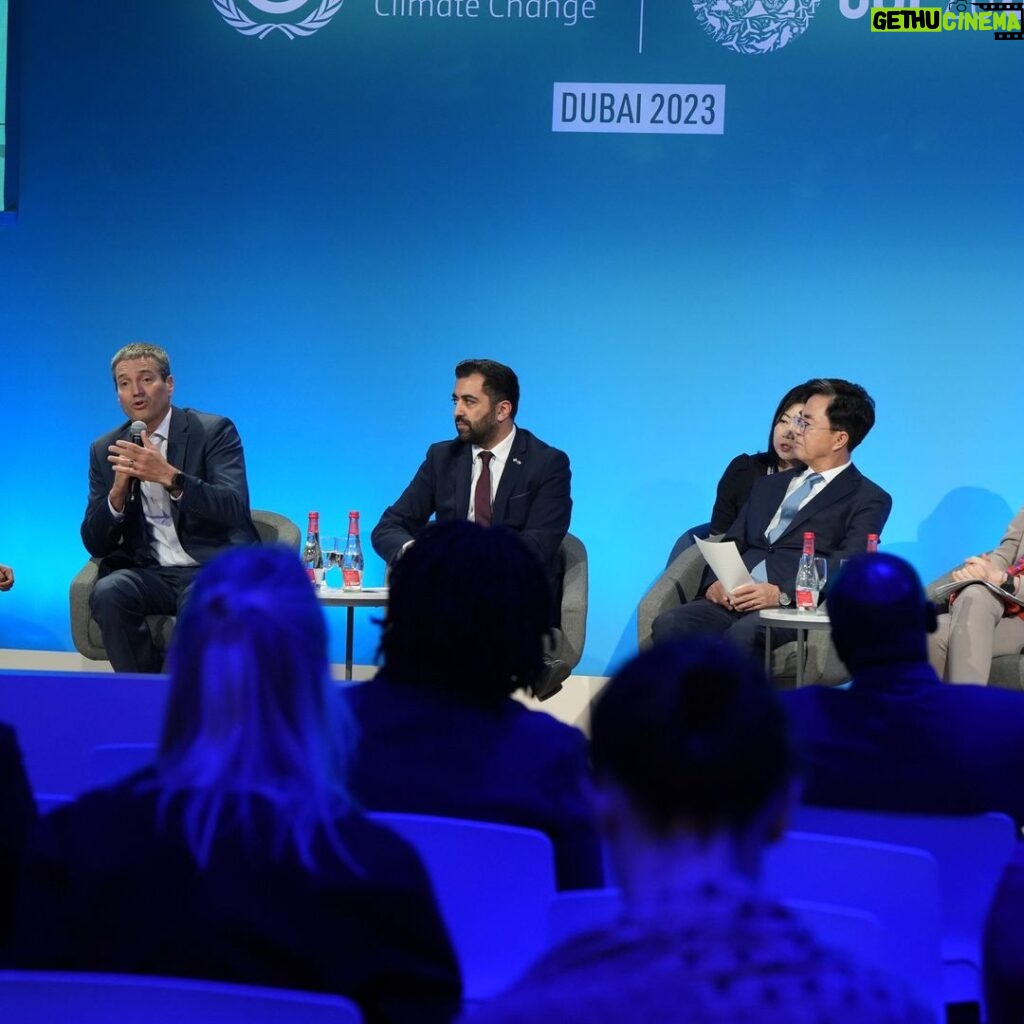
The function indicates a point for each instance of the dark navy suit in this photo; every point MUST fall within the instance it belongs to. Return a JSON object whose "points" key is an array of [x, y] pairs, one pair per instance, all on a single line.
{"points": [[533, 498], [211, 516], [841, 515]]}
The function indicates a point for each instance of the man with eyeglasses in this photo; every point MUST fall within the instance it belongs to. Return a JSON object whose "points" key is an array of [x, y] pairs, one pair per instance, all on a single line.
{"points": [[829, 497]]}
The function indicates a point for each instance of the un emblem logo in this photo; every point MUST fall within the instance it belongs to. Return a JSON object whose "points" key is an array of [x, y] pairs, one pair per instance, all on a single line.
{"points": [[273, 15], [754, 26]]}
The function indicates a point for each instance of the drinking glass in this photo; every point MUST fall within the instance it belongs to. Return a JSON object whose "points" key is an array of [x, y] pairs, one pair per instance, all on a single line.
{"points": [[821, 571], [332, 549]]}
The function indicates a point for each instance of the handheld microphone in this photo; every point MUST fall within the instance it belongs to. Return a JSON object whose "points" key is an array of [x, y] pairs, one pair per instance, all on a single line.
{"points": [[136, 429]]}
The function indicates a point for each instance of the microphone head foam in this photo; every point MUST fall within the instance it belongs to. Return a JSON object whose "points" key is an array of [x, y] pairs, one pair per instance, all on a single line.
{"points": [[137, 428]]}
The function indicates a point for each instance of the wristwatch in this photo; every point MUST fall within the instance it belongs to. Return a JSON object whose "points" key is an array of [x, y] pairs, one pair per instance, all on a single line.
{"points": [[784, 599], [177, 485]]}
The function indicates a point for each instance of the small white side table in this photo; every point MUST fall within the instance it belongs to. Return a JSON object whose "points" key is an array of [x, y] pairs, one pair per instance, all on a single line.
{"points": [[792, 618], [368, 597]]}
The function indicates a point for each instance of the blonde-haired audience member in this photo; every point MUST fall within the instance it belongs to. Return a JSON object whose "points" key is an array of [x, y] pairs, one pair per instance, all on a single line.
{"points": [[240, 855]]}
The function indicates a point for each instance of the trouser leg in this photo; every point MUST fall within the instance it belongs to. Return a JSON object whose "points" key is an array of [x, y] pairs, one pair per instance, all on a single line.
{"points": [[744, 629], [973, 620], [938, 645], [120, 603], [1008, 637], [700, 616]]}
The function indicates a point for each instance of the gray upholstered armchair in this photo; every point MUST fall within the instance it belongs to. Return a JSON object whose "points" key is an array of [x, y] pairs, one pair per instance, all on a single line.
{"points": [[572, 634], [1007, 669], [680, 583], [272, 527]]}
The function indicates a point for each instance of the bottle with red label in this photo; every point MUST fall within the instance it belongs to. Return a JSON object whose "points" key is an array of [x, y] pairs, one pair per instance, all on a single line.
{"points": [[312, 553], [872, 543], [807, 583], [352, 559]]}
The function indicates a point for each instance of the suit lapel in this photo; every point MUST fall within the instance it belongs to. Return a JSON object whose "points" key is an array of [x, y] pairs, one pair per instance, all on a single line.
{"points": [[510, 475], [177, 448], [463, 475], [769, 497], [177, 439], [843, 486]]}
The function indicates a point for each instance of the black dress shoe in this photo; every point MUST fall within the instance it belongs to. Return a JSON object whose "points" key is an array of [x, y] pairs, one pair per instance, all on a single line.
{"points": [[550, 678]]}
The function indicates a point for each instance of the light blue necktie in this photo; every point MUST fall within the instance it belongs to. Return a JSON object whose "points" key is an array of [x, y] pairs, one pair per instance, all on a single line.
{"points": [[791, 505], [789, 509]]}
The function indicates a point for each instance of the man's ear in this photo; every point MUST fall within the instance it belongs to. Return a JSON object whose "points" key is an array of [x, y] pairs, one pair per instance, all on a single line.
{"points": [[842, 440]]}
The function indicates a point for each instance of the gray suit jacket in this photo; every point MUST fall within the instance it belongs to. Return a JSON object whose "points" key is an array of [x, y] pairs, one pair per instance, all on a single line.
{"points": [[212, 514]]}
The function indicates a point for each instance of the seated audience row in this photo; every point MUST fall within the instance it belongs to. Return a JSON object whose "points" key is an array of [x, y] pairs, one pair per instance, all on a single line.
{"points": [[242, 855]]}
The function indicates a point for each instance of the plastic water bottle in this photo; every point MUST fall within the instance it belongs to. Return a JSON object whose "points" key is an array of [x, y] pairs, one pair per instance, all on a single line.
{"points": [[352, 559], [312, 553], [872, 543], [807, 582]]}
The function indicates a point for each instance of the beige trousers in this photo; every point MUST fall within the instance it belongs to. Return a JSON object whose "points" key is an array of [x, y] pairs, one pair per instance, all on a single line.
{"points": [[971, 635]]}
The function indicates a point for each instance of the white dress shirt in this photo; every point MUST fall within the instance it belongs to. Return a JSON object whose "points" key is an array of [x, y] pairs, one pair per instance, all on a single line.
{"points": [[156, 507]]}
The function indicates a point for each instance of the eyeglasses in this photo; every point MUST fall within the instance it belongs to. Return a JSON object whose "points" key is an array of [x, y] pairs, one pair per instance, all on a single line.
{"points": [[800, 424]]}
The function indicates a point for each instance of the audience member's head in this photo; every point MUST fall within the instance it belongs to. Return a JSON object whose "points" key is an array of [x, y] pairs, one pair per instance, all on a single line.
{"points": [[880, 614], [693, 736], [850, 407], [467, 613], [249, 714]]}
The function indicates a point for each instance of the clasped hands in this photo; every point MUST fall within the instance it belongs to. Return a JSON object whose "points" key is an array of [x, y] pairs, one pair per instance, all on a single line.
{"points": [[748, 597], [979, 567]]}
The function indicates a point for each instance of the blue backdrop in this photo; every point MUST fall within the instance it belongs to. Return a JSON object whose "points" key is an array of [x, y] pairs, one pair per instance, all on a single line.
{"points": [[317, 228]]}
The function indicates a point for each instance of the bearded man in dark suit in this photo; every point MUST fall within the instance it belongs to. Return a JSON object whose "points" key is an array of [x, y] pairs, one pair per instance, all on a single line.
{"points": [[494, 473]]}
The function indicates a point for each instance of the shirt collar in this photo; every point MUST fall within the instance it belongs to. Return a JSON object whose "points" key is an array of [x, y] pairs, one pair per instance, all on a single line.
{"points": [[500, 451], [164, 427], [827, 474]]}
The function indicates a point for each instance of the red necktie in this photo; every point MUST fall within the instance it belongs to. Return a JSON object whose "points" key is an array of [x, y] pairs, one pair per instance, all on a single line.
{"points": [[482, 494]]}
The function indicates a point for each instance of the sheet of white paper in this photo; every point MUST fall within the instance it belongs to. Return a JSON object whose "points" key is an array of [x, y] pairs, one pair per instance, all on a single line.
{"points": [[724, 558]]}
